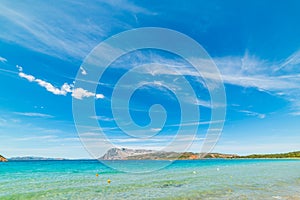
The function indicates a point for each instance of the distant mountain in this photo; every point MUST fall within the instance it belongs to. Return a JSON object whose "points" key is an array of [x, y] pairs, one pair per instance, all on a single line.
{"points": [[220, 155], [124, 153], [34, 158], [141, 154], [2, 159]]}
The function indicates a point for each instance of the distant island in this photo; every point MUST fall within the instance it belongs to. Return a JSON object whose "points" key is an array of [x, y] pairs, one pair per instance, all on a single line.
{"points": [[34, 158], [2, 159], [141, 154]]}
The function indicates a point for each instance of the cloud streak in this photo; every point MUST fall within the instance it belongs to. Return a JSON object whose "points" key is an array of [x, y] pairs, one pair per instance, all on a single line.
{"points": [[251, 113], [3, 60], [102, 118], [248, 71], [65, 88], [60, 30], [265, 76], [32, 114], [77, 93], [83, 71], [290, 62]]}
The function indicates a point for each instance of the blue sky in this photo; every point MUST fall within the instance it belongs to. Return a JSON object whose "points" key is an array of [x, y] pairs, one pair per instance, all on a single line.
{"points": [[255, 45]]}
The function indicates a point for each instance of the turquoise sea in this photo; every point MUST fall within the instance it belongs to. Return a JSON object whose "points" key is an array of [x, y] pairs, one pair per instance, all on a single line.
{"points": [[201, 179]]}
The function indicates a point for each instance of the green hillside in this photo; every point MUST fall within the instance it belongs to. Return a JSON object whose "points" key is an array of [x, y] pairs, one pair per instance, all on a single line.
{"points": [[295, 154]]}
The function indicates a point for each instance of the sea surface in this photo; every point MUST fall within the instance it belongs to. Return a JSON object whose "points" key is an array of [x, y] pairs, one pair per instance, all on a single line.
{"points": [[199, 179]]}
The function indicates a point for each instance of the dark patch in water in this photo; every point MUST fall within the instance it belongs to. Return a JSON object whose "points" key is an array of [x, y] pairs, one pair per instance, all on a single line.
{"points": [[170, 185]]}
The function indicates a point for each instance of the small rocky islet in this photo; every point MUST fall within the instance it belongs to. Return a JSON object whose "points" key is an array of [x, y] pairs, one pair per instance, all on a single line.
{"points": [[2, 159]]}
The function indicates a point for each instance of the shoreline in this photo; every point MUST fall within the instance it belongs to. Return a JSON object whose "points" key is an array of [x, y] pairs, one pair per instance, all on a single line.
{"points": [[166, 156], [13, 160]]}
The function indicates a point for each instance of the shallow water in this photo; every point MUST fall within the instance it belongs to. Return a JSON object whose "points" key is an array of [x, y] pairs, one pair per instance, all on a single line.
{"points": [[203, 179]]}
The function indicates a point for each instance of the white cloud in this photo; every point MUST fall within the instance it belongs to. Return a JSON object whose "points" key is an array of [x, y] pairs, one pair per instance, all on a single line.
{"points": [[30, 78], [197, 123], [79, 93], [3, 60], [19, 68], [66, 88], [83, 71], [99, 96], [255, 114], [102, 118], [155, 129], [31, 114], [50, 88]]}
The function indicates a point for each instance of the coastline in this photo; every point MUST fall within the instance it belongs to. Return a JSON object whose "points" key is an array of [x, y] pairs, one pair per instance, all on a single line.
{"points": [[140, 154], [168, 156], [41, 160]]}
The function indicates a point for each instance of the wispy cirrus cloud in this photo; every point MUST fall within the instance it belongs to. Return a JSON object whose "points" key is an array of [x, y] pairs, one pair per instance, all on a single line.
{"points": [[245, 71], [289, 63], [251, 113], [127, 6], [65, 29], [3, 60], [48, 138], [33, 114], [278, 78], [102, 118], [198, 123], [250, 71]]}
